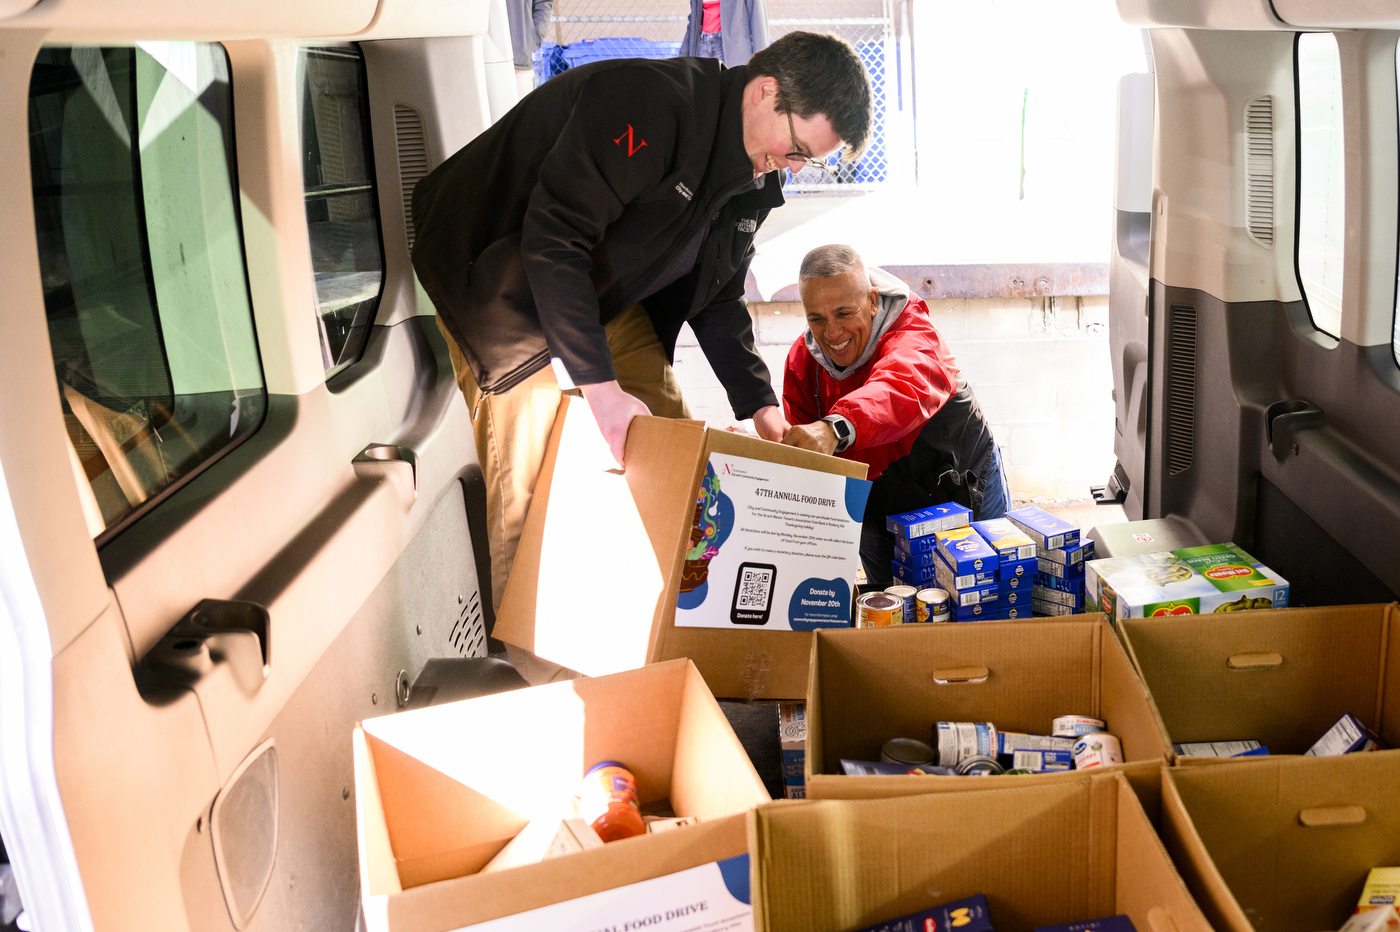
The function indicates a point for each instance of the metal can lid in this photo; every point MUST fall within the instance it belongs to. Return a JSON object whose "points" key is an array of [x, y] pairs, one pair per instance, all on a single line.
{"points": [[906, 751], [979, 766], [880, 601], [901, 592], [932, 596]]}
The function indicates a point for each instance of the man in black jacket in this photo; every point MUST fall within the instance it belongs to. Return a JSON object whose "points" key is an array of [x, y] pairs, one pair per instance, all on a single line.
{"points": [[616, 202]]}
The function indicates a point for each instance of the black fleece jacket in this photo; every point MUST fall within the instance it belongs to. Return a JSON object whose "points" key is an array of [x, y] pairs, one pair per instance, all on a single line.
{"points": [[578, 202]]}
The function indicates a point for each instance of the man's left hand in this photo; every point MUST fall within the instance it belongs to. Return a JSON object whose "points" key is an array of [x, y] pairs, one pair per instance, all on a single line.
{"points": [[817, 436], [770, 423]]}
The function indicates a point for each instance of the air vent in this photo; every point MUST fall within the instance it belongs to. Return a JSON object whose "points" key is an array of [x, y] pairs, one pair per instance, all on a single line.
{"points": [[468, 636], [1259, 169], [413, 159], [1181, 389]]}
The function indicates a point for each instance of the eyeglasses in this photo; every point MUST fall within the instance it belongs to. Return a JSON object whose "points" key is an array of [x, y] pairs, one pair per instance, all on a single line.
{"points": [[796, 156]]}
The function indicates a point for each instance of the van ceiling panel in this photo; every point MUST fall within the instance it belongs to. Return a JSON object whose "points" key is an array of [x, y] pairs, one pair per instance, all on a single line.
{"points": [[1202, 14], [1205, 83], [213, 20], [1340, 14], [413, 19]]}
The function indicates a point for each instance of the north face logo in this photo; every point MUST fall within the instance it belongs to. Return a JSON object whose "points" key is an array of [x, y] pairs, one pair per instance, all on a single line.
{"points": [[684, 191], [748, 226]]}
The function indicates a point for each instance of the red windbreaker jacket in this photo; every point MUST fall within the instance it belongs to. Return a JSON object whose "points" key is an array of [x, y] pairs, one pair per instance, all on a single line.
{"points": [[889, 399]]}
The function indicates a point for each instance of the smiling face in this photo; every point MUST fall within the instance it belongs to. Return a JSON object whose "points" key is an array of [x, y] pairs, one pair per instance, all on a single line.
{"points": [[768, 137], [839, 311]]}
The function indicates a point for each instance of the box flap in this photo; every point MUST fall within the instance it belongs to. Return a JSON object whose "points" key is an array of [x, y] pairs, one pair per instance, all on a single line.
{"points": [[464, 901], [592, 570], [1261, 847], [1212, 677]]}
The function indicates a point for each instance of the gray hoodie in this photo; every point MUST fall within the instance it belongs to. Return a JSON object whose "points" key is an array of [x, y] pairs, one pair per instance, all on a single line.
{"points": [[894, 296]]}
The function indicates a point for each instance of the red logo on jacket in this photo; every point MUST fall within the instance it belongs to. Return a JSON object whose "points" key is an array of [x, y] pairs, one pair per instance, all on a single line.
{"points": [[631, 148]]}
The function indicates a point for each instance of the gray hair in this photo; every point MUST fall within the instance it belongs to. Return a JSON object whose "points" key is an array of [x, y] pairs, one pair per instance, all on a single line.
{"points": [[830, 261]]}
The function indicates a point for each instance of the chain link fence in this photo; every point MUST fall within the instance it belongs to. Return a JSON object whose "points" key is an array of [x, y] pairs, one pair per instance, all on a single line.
{"points": [[880, 30]]}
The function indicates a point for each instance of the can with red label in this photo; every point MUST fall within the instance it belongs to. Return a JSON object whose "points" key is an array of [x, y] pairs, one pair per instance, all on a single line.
{"points": [[1097, 750]]}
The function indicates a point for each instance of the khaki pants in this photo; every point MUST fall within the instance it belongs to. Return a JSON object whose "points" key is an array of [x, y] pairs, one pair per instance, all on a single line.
{"points": [[512, 430]]}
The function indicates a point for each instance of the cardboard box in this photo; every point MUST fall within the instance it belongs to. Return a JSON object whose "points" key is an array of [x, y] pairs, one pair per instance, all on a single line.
{"points": [[792, 742], [967, 554], [439, 791], [1280, 677], [602, 559], [913, 525], [1218, 578], [1043, 850], [868, 686], [1049, 532], [1009, 541], [1282, 843]]}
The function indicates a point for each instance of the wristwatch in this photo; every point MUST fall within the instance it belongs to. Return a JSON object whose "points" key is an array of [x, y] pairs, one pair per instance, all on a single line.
{"points": [[845, 431]]}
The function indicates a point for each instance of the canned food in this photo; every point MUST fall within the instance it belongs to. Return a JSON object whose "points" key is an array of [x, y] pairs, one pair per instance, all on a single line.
{"points": [[906, 595], [979, 766], [906, 751], [878, 610], [1075, 726], [931, 605], [957, 741], [1097, 750]]}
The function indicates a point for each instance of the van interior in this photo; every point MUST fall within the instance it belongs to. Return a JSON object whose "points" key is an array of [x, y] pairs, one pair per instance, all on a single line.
{"points": [[240, 503]]}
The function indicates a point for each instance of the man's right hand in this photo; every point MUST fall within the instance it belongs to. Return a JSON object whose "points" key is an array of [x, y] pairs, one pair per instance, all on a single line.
{"points": [[613, 409]]}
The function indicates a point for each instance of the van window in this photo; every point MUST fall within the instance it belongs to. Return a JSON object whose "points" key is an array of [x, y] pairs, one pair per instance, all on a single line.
{"points": [[1321, 179], [341, 214], [145, 288]]}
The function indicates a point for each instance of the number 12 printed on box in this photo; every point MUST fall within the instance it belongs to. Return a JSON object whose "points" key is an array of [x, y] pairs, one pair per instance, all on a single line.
{"points": [[771, 546]]}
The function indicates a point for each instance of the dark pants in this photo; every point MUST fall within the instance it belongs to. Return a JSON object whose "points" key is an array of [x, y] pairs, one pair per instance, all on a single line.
{"points": [[877, 544]]}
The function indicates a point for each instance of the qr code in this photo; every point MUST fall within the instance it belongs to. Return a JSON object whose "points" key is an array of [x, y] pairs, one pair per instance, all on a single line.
{"points": [[755, 589]]}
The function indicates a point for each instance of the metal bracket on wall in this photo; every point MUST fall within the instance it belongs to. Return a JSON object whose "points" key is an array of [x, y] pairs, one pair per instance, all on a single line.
{"points": [[1284, 419]]}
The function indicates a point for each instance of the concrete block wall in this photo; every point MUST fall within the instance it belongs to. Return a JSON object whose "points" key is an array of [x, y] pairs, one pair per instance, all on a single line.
{"points": [[1040, 368]]}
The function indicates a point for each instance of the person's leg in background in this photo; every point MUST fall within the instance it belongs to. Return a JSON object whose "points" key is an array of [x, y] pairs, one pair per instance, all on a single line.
{"points": [[524, 81], [876, 554], [996, 495]]}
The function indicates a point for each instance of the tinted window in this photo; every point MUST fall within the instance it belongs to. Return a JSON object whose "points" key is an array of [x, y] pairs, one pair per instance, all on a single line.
{"points": [[1321, 179], [338, 172], [145, 291]]}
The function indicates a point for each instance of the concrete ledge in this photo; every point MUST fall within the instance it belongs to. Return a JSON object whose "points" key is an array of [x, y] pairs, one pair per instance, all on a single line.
{"points": [[988, 280]]}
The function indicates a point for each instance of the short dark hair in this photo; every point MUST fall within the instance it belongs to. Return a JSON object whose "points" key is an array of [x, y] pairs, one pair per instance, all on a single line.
{"points": [[820, 74]]}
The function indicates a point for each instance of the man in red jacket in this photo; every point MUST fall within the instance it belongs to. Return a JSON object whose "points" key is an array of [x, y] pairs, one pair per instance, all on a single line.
{"points": [[872, 381]]}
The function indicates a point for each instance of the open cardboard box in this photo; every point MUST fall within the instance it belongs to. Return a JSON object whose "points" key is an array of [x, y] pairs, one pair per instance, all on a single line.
{"points": [[1283, 844], [870, 685], [440, 790], [1042, 854], [1281, 676], [599, 566]]}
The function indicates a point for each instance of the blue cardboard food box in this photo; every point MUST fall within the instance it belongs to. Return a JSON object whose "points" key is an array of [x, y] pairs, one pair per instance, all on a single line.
{"points": [[1009, 541], [965, 552], [978, 595], [915, 559], [947, 579], [1012, 612], [1040, 607], [984, 611], [915, 524], [1071, 554], [1014, 596], [1017, 569], [921, 578], [1068, 599], [1062, 570], [1048, 531], [1108, 924], [969, 915], [1072, 586]]}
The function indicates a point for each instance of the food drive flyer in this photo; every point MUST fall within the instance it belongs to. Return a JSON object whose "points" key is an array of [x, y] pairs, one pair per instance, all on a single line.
{"points": [[771, 546], [709, 898]]}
